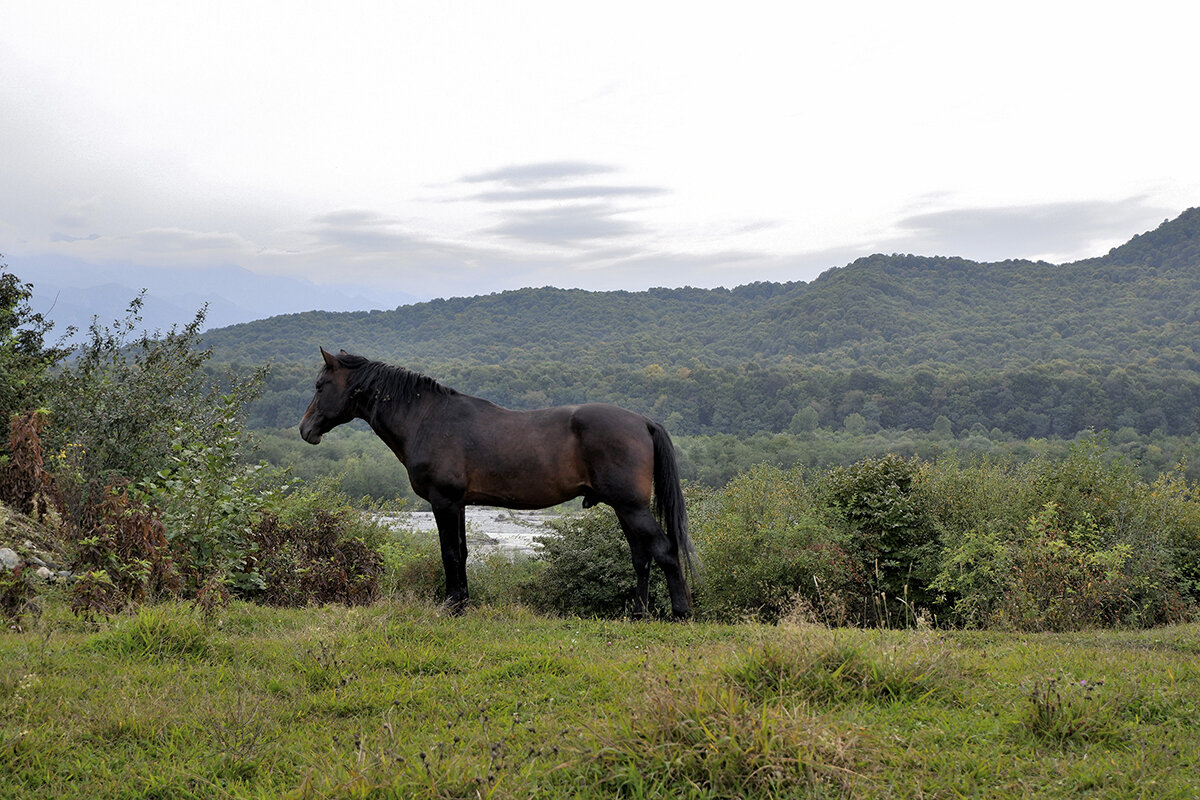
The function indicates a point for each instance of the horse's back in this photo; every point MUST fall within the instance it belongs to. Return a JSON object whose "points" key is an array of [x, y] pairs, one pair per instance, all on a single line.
{"points": [[600, 418]]}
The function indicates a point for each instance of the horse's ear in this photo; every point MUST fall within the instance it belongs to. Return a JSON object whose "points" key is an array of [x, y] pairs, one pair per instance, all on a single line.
{"points": [[330, 359]]}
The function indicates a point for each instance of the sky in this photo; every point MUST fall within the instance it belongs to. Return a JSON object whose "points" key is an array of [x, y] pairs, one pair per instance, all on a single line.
{"points": [[459, 148]]}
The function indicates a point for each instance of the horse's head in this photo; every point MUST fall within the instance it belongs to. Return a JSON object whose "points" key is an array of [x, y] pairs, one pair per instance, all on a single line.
{"points": [[330, 405]]}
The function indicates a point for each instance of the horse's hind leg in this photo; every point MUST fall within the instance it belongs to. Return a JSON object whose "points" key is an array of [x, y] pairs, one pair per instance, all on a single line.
{"points": [[640, 550], [647, 541]]}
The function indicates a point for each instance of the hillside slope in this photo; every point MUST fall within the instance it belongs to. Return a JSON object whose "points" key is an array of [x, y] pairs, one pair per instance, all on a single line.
{"points": [[1141, 301], [1031, 348]]}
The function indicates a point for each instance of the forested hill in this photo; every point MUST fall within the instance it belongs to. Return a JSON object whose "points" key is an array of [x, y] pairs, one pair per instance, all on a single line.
{"points": [[1031, 348]]}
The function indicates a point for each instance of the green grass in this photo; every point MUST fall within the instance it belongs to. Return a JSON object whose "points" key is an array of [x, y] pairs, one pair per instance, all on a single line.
{"points": [[398, 700]]}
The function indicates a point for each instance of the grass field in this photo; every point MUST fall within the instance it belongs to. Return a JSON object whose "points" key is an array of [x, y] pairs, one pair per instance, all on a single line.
{"points": [[398, 700]]}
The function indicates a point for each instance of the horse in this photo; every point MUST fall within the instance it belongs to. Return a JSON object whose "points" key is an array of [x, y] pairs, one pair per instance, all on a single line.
{"points": [[461, 450]]}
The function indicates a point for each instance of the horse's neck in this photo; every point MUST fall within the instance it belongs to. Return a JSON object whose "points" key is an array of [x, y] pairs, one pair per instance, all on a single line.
{"points": [[398, 424]]}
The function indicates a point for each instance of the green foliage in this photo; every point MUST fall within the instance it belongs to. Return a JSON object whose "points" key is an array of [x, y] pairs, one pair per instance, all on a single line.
{"points": [[1060, 544], [210, 503], [94, 592], [16, 596], [126, 400], [588, 569], [898, 547], [1064, 578], [24, 356], [766, 547], [1055, 544]]}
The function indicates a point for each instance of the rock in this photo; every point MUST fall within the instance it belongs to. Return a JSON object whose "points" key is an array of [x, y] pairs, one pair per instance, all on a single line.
{"points": [[9, 558], [44, 573], [37, 562]]}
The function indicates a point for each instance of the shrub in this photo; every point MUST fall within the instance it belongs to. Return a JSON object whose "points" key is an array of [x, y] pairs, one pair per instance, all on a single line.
{"points": [[211, 502], [25, 485], [765, 547], [126, 400], [126, 554], [588, 569], [315, 548], [977, 510], [1068, 543], [1066, 577], [897, 542]]}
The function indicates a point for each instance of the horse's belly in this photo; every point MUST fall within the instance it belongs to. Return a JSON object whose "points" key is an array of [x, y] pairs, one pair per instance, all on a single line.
{"points": [[528, 479]]}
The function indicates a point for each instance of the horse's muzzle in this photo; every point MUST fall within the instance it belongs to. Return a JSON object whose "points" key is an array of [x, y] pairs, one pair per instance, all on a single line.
{"points": [[308, 431]]}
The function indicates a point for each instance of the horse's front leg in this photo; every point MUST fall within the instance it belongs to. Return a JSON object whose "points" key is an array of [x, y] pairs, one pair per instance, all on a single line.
{"points": [[452, 535]]}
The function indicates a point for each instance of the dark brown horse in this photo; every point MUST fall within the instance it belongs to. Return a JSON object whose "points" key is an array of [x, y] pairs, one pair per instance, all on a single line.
{"points": [[461, 450]]}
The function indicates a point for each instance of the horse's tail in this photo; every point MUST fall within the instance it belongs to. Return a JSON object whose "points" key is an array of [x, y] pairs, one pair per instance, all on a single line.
{"points": [[668, 501]]}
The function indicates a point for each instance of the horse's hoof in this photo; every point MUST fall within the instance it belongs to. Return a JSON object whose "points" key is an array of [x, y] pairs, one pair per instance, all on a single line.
{"points": [[455, 608]]}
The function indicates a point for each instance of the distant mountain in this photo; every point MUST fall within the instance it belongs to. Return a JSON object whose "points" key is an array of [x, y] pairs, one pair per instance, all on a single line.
{"points": [[1028, 348], [72, 292], [1139, 302]]}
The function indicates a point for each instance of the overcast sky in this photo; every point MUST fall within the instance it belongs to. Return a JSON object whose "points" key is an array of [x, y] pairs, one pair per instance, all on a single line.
{"points": [[450, 148]]}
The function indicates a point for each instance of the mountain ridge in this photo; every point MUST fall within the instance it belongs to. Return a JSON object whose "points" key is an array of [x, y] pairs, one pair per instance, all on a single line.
{"points": [[880, 311]]}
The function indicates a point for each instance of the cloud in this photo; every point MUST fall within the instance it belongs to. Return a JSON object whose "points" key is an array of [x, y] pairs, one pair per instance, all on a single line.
{"points": [[567, 193], [1051, 231], [537, 173], [567, 225], [363, 231], [559, 204], [173, 240]]}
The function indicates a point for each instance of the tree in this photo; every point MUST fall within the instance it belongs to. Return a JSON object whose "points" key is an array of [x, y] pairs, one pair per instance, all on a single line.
{"points": [[122, 405], [24, 357]]}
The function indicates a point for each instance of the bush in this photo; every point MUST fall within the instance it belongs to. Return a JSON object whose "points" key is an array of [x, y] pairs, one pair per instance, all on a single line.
{"points": [[126, 554], [25, 485], [125, 402], [588, 570], [313, 547], [211, 502], [1052, 545], [765, 548], [978, 510], [1065, 578], [898, 544], [24, 358]]}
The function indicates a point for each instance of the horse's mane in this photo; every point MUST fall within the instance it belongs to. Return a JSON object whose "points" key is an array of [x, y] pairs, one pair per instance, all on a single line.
{"points": [[387, 383]]}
